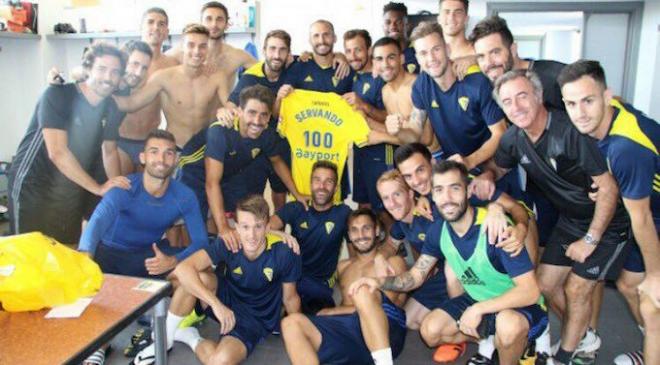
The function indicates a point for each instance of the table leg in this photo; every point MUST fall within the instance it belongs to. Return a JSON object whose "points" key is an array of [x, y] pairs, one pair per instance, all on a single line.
{"points": [[160, 335]]}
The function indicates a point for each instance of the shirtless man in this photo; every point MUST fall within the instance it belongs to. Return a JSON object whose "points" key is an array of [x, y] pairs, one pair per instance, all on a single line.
{"points": [[368, 327], [221, 57], [136, 126]]}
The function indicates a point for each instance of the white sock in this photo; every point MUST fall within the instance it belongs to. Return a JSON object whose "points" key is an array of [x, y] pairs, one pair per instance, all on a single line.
{"points": [[383, 356], [543, 342], [487, 346], [189, 335], [171, 323]]}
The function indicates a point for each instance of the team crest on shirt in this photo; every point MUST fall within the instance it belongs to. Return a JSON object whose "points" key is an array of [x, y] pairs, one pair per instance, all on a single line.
{"points": [[329, 226], [421, 236], [411, 68], [365, 88], [268, 273], [304, 225], [434, 104], [255, 152], [335, 81], [463, 101], [238, 271]]}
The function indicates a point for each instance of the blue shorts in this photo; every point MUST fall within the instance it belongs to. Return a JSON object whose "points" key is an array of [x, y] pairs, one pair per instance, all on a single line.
{"points": [[368, 164], [314, 294], [634, 262], [130, 262], [132, 147], [433, 292], [536, 315], [247, 329], [191, 171], [342, 341]]}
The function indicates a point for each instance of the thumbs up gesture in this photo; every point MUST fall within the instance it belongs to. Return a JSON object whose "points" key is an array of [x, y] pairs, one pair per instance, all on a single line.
{"points": [[160, 263]]}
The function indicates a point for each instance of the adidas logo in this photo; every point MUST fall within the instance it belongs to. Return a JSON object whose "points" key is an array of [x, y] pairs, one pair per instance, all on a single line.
{"points": [[594, 270], [238, 271], [309, 79], [524, 160], [470, 278], [434, 104], [303, 225]]}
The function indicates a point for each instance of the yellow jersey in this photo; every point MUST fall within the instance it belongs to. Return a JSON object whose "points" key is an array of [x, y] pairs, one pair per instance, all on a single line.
{"points": [[319, 126]]}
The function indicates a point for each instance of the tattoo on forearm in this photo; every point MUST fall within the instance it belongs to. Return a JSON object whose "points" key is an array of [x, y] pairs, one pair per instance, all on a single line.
{"points": [[424, 264], [417, 118], [403, 282]]}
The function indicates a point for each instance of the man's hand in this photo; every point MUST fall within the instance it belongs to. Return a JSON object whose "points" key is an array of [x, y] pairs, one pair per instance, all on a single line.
{"points": [[355, 101], [462, 65], [226, 116], [650, 287], [512, 240], [470, 321], [423, 208], [289, 240], [230, 237], [495, 222], [579, 250], [161, 263], [393, 124], [481, 187], [371, 283], [121, 182], [55, 77], [284, 90], [461, 159], [302, 199], [305, 56], [225, 316], [341, 66]]}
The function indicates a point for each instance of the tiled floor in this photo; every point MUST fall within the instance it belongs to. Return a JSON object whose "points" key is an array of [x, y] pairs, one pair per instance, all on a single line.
{"points": [[616, 329]]}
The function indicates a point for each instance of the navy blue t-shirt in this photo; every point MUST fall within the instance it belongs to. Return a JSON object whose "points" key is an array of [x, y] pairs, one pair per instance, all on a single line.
{"points": [[254, 288], [319, 234], [310, 76], [410, 61], [414, 232], [460, 117]]}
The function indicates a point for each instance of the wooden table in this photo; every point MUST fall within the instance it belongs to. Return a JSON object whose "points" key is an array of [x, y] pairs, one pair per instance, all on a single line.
{"points": [[29, 338]]}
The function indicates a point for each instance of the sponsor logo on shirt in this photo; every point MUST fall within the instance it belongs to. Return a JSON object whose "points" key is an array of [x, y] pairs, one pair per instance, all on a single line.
{"points": [[268, 273], [470, 278], [463, 101], [329, 226]]}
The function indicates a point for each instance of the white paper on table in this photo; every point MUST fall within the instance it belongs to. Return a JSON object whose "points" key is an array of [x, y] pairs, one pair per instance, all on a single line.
{"points": [[73, 310], [151, 286]]}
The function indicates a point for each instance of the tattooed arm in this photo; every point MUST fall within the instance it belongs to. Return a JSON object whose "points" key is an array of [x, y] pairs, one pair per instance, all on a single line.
{"points": [[410, 130], [404, 282]]}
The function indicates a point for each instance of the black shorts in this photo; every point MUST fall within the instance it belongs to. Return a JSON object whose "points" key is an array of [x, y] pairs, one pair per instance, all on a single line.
{"points": [[605, 263]]}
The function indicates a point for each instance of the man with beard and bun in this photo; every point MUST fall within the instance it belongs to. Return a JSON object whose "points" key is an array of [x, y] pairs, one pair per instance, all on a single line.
{"points": [[222, 57], [74, 128], [319, 230], [122, 233], [465, 118], [590, 240], [501, 295], [369, 327], [395, 25], [630, 141]]}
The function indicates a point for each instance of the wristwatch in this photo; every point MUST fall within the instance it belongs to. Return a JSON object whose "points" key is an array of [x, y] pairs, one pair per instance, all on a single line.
{"points": [[590, 240]]}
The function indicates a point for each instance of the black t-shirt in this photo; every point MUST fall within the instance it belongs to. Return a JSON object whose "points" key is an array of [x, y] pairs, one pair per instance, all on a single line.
{"points": [[560, 164], [64, 107], [548, 72]]}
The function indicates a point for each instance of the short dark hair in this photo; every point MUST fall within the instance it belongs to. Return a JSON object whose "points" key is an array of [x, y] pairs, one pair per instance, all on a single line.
{"points": [[466, 4], [255, 204], [156, 10], [353, 33], [325, 164], [386, 41], [448, 165], [215, 5], [195, 28], [398, 7], [257, 92], [159, 134], [406, 151], [100, 49], [581, 68], [279, 34], [492, 25], [133, 45], [424, 29]]}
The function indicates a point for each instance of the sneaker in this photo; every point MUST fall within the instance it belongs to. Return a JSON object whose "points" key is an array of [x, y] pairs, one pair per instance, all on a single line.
{"points": [[140, 340], [590, 343], [589, 359], [543, 358], [449, 352], [630, 358], [479, 359], [528, 357], [192, 319]]}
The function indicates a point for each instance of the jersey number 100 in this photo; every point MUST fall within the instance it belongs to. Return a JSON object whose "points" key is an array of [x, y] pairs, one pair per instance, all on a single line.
{"points": [[315, 139]]}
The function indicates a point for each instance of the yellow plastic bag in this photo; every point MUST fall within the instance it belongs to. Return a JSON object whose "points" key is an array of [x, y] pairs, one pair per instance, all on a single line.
{"points": [[38, 272]]}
